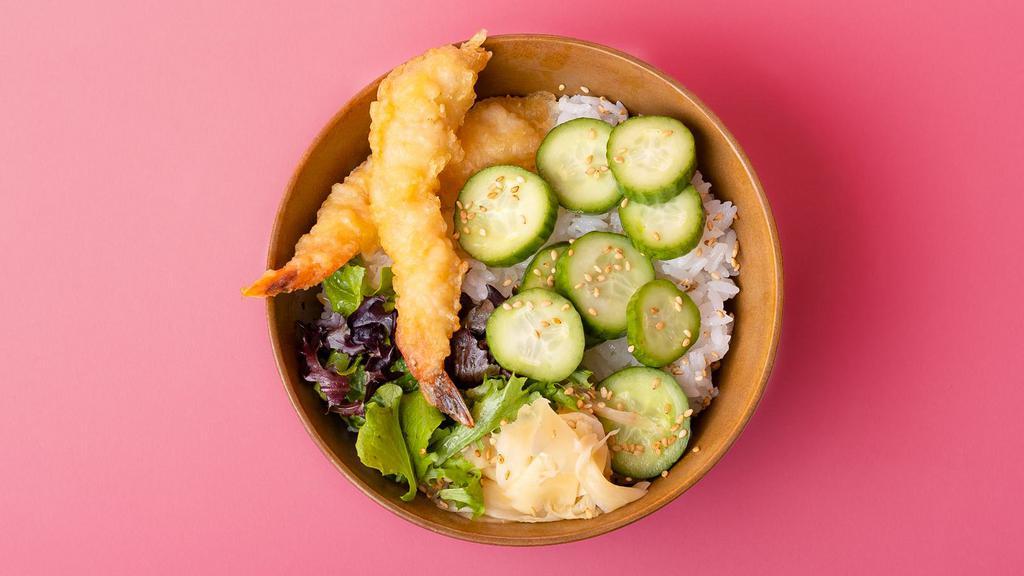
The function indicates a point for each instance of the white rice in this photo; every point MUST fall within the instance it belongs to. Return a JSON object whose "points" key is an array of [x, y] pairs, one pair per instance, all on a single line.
{"points": [[573, 107]]}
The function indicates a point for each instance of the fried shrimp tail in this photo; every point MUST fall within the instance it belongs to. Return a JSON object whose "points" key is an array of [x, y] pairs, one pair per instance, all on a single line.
{"points": [[420, 106], [343, 229]]}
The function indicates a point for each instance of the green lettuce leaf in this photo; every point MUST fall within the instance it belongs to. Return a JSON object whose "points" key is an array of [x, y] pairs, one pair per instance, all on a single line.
{"points": [[345, 288], [555, 391], [380, 443], [497, 399], [464, 489], [419, 421]]}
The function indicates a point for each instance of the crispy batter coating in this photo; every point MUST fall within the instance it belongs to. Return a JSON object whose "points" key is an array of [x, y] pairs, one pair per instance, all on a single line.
{"points": [[419, 107], [343, 229], [500, 130]]}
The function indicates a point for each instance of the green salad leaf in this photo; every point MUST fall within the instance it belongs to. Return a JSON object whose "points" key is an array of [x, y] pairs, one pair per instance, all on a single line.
{"points": [[345, 288], [496, 399], [463, 489], [380, 443], [555, 391], [419, 421]]}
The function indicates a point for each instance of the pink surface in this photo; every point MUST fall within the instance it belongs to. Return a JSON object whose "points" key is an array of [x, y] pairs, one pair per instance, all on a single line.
{"points": [[143, 151]]}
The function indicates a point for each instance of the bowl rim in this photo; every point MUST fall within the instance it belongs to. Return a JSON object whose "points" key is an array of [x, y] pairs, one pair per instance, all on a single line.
{"points": [[587, 530]]}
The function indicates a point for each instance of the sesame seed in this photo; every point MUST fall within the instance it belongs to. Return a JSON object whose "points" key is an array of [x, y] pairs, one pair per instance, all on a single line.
{"points": [[591, 311], [584, 89], [688, 413], [682, 433], [561, 86], [571, 240], [696, 449], [664, 474]]}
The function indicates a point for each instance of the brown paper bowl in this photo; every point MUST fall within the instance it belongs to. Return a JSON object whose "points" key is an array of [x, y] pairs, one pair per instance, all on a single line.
{"points": [[524, 64]]}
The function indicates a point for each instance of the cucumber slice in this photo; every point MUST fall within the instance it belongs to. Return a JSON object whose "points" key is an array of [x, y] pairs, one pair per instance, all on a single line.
{"points": [[652, 157], [667, 230], [573, 159], [540, 273], [599, 273], [504, 214], [662, 322], [650, 412], [537, 334]]}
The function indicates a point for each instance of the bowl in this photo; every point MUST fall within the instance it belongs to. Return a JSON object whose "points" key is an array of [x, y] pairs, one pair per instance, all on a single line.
{"points": [[522, 64]]}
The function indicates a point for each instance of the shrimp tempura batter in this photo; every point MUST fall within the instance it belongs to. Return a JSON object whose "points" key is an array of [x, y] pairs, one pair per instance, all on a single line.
{"points": [[343, 229], [499, 130], [419, 107]]}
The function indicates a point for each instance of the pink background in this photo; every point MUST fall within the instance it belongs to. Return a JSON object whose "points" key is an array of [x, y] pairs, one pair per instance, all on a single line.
{"points": [[143, 151]]}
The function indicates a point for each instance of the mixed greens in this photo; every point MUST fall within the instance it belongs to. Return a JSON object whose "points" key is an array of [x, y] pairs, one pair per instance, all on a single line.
{"points": [[511, 352]]}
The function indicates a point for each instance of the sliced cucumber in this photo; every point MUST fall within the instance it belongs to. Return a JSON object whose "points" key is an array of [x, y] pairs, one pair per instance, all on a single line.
{"points": [[537, 334], [540, 273], [662, 322], [650, 412], [504, 214], [573, 159], [652, 157], [667, 230], [599, 273]]}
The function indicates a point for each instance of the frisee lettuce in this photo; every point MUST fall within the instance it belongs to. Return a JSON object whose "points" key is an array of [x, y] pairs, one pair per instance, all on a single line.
{"points": [[462, 484], [496, 399]]}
